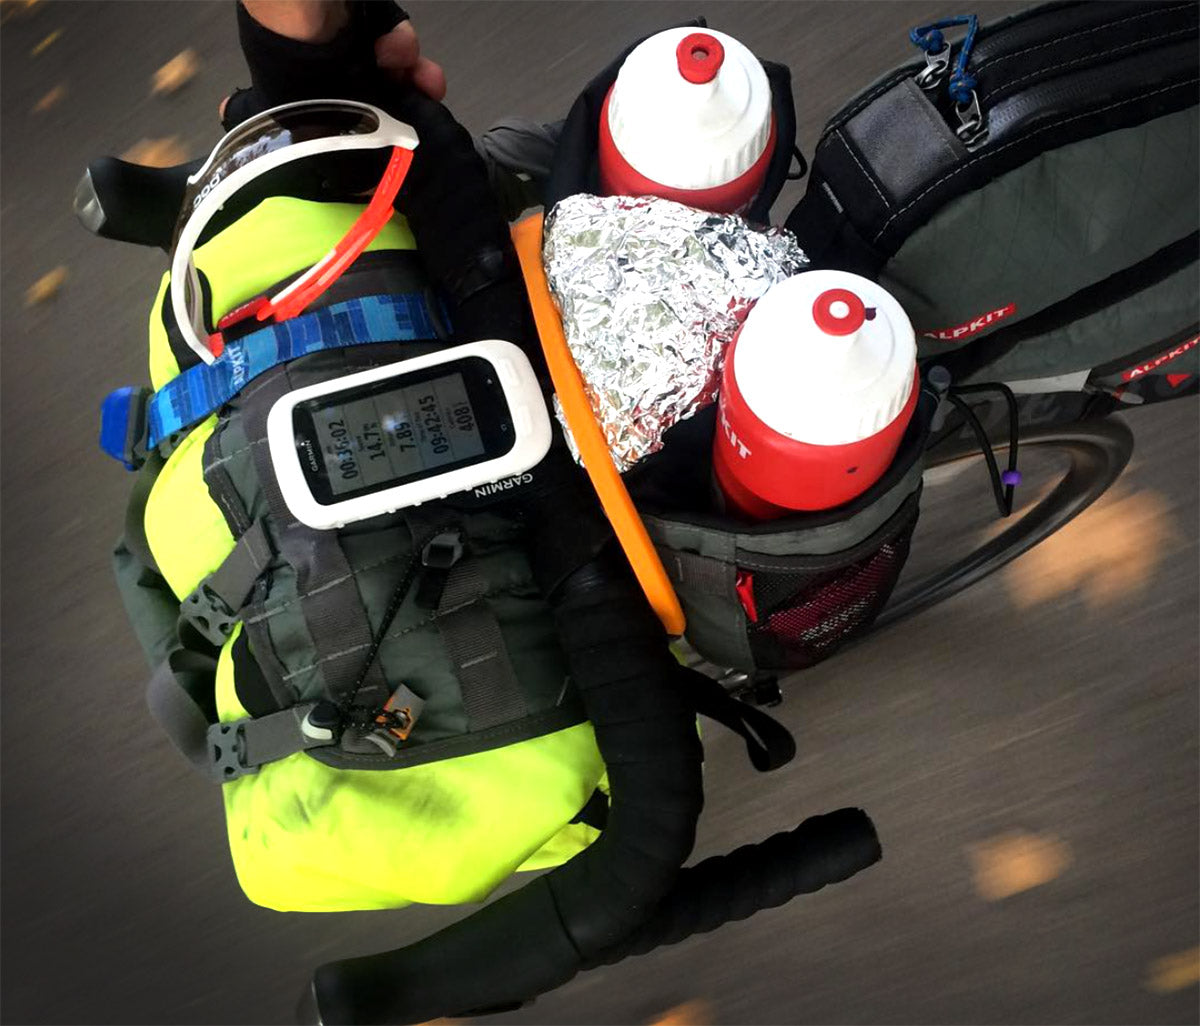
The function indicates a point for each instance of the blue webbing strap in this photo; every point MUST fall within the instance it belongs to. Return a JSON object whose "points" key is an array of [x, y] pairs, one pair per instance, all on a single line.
{"points": [[198, 391]]}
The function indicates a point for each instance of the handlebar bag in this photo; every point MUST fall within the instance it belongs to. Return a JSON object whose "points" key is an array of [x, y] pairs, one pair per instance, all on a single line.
{"points": [[781, 594], [251, 618], [1039, 226]]}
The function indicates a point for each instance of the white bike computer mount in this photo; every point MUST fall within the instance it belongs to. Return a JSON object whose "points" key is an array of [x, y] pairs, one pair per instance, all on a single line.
{"points": [[369, 443]]}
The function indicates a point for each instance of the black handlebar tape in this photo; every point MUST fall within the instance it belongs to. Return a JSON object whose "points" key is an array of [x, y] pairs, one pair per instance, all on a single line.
{"points": [[822, 850], [130, 202], [539, 937]]}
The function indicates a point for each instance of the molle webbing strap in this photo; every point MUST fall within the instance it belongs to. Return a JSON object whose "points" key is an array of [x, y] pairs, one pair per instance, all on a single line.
{"points": [[472, 637], [198, 391], [232, 580], [330, 600], [213, 606]]}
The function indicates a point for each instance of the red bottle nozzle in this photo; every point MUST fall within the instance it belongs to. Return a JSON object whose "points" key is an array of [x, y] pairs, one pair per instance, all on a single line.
{"points": [[700, 57]]}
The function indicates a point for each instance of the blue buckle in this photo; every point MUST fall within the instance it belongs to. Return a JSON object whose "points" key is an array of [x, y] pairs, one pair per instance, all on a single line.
{"points": [[123, 425]]}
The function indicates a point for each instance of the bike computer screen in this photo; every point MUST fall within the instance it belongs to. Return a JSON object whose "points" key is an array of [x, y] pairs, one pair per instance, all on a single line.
{"points": [[377, 436]]}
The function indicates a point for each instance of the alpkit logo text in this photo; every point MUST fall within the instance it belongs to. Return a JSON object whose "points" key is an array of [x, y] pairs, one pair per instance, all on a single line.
{"points": [[973, 326], [1155, 362]]}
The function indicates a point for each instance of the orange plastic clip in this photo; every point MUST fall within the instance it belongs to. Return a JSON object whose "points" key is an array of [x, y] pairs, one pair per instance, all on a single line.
{"points": [[593, 446]]}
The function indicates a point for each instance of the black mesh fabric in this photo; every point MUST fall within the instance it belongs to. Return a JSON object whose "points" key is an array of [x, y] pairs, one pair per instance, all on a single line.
{"points": [[803, 615]]}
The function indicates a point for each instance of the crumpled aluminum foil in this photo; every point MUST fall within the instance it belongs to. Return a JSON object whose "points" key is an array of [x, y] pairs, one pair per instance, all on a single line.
{"points": [[651, 292]]}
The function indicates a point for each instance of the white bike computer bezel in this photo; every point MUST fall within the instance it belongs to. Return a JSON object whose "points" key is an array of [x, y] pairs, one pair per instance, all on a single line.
{"points": [[527, 414]]}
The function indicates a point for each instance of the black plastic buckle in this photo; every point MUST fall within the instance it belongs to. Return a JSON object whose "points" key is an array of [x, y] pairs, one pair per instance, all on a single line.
{"points": [[227, 745], [209, 614]]}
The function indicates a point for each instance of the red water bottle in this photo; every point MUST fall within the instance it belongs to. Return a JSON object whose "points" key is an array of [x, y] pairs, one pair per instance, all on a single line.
{"points": [[689, 119], [817, 390]]}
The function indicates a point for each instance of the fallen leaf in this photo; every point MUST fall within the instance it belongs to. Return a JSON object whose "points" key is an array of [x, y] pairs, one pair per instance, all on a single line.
{"points": [[11, 7], [50, 99], [45, 43], [1016, 862], [46, 287], [1109, 554], [156, 152], [177, 72], [690, 1013], [1174, 972]]}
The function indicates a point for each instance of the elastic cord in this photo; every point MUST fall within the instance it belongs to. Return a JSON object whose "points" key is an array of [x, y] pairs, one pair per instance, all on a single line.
{"points": [[1002, 484]]}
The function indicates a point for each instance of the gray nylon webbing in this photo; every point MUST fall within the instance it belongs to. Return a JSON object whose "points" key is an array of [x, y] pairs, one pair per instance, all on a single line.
{"points": [[266, 739], [232, 580], [277, 735], [697, 571], [174, 710], [333, 607], [473, 640]]}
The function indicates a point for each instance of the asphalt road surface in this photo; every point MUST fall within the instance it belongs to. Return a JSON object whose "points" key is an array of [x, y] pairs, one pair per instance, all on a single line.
{"points": [[1028, 750]]}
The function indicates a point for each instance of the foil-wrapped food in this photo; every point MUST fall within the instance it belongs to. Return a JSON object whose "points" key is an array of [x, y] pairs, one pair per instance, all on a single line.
{"points": [[651, 293]]}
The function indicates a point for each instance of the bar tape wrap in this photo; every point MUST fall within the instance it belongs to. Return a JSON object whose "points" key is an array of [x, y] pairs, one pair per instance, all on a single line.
{"points": [[198, 391]]}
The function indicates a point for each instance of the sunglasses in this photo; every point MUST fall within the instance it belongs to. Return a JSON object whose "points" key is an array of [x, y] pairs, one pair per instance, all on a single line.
{"points": [[267, 141]]}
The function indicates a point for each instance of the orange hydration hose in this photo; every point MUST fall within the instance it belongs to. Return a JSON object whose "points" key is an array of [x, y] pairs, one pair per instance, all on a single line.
{"points": [[593, 446]]}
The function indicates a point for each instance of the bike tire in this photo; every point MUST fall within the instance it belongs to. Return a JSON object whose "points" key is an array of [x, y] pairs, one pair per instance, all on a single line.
{"points": [[1098, 451]]}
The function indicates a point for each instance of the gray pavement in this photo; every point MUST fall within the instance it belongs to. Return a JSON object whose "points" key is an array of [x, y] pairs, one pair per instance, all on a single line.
{"points": [[1035, 737]]}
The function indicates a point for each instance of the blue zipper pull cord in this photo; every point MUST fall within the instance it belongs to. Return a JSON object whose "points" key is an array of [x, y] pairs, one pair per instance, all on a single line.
{"points": [[932, 41]]}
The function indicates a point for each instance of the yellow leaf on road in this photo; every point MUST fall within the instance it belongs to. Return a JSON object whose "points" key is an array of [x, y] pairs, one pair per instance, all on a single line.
{"points": [[1174, 972], [11, 7], [45, 44], [177, 72], [46, 287], [1016, 862], [1109, 554], [50, 99], [156, 152], [690, 1013]]}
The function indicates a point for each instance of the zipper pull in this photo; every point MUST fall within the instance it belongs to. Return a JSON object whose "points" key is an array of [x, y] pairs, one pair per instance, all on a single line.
{"points": [[937, 63], [937, 51], [972, 129]]}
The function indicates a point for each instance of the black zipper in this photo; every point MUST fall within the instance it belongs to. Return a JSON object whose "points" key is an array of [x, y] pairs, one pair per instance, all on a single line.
{"points": [[1073, 57], [988, 33], [1089, 89]]}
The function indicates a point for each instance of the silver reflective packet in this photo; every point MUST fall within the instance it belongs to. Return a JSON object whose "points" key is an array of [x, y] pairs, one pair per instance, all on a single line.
{"points": [[651, 292]]}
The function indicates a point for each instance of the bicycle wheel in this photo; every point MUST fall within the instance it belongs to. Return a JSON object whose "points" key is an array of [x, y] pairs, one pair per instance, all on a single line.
{"points": [[1089, 455]]}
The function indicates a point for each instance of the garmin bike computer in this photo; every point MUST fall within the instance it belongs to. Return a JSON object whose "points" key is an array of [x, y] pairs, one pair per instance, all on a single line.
{"points": [[383, 439]]}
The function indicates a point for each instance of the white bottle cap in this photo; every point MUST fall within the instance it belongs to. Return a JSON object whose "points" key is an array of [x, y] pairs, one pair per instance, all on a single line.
{"points": [[826, 358], [691, 117]]}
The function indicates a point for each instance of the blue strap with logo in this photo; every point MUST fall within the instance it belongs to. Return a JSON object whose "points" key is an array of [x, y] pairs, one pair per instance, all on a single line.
{"points": [[198, 391]]}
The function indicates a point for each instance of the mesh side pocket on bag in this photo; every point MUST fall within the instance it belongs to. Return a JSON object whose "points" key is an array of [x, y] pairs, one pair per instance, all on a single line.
{"points": [[801, 615]]}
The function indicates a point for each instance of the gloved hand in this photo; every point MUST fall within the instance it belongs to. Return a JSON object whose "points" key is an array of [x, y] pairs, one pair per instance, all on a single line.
{"points": [[299, 50]]}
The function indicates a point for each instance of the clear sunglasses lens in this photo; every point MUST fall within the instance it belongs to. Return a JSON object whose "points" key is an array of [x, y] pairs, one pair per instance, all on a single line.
{"points": [[269, 132]]}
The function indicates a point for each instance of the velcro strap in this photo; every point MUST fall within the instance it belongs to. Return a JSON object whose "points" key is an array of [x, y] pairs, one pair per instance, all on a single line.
{"points": [[200, 390], [768, 742]]}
